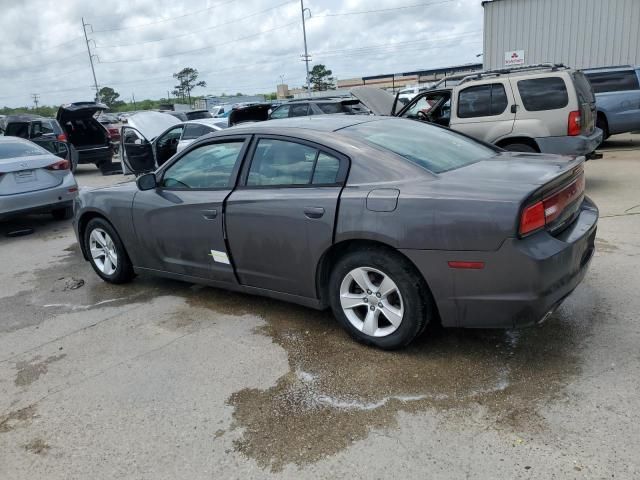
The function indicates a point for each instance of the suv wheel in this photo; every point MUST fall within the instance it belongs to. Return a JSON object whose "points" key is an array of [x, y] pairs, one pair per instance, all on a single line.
{"points": [[107, 255], [520, 147], [379, 299]]}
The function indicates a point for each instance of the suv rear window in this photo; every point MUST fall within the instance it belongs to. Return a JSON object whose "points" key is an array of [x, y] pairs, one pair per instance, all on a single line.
{"points": [[613, 81], [482, 101], [548, 93]]}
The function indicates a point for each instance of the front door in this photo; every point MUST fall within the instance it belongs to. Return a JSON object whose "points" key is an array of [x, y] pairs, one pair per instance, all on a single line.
{"points": [[137, 152], [433, 107], [179, 224], [486, 111], [281, 218]]}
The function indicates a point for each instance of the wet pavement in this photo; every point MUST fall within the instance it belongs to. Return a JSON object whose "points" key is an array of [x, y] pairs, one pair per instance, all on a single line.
{"points": [[162, 379]]}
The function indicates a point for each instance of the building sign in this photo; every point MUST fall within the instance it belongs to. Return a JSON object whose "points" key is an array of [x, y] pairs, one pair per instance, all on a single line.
{"points": [[515, 57]]}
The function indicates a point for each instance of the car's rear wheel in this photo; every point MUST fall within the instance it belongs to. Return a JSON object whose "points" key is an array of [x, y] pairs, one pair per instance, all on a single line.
{"points": [[106, 252], [62, 213], [602, 124], [379, 298], [519, 147]]}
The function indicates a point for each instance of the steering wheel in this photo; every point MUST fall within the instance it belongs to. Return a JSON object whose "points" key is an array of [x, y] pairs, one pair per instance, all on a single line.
{"points": [[426, 117]]}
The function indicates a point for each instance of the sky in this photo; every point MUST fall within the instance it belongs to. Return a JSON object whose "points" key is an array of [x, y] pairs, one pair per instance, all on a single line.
{"points": [[244, 46]]}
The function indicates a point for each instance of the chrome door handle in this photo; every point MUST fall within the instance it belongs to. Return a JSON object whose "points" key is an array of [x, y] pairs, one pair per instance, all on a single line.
{"points": [[210, 214], [313, 212]]}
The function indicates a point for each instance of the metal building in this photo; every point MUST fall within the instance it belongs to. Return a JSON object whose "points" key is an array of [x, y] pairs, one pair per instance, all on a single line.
{"points": [[578, 33]]}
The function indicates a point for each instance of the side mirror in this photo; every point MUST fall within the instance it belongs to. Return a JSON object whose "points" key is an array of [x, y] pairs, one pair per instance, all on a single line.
{"points": [[147, 181]]}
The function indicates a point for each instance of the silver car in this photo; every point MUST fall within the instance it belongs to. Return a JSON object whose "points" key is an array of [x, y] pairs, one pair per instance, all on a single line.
{"points": [[33, 180]]}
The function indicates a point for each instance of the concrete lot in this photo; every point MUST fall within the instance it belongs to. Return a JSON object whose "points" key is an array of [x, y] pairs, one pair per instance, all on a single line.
{"points": [[163, 380]]}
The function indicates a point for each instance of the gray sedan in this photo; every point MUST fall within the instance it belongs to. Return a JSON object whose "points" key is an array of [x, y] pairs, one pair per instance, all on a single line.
{"points": [[392, 223], [34, 180]]}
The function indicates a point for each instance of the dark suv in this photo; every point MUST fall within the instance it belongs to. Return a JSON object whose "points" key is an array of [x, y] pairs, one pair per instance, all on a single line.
{"points": [[33, 126], [86, 134], [320, 106]]}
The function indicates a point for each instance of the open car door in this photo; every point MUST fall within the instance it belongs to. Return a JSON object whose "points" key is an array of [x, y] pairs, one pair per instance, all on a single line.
{"points": [[137, 152]]}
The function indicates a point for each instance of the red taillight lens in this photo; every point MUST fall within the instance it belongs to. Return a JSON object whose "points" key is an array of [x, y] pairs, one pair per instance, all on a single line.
{"points": [[61, 165], [550, 208], [575, 124], [532, 218], [62, 137]]}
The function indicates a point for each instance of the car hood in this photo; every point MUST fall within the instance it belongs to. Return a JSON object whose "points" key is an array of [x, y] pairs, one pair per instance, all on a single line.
{"points": [[379, 101], [72, 111], [151, 124]]}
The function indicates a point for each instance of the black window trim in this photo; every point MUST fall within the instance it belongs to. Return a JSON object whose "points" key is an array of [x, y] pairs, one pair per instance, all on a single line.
{"points": [[343, 170], [491, 85], [233, 178]]}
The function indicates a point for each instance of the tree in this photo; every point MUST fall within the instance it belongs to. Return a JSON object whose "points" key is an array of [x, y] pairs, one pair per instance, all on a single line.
{"points": [[187, 78], [109, 97], [321, 79]]}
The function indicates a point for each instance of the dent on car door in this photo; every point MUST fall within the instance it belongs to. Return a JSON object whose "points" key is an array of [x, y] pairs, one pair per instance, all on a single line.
{"points": [[281, 219], [179, 224]]}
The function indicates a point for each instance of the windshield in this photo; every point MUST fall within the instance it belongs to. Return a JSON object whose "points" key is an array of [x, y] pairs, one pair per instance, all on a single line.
{"points": [[433, 148], [19, 149]]}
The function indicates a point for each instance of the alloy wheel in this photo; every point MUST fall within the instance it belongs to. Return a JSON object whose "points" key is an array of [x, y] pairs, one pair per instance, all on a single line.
{"points": [[103, 251], [371, 301]]}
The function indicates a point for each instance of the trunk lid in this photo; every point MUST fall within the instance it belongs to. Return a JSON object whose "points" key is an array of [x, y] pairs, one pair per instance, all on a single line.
{"points": [[73, 111], [28, 174]]}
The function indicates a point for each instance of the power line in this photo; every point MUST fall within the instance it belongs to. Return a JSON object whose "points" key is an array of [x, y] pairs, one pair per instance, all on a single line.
{"points": [[198, 31], [164, 20], [390, 9], [54, 47]]}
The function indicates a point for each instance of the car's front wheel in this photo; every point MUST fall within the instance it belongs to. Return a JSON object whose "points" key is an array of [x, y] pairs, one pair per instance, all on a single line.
{"points": [[379, 298], [106, 252]]}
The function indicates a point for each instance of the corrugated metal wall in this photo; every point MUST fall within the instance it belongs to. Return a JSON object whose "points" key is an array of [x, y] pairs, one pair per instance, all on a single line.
{"points": [[578, 33]]}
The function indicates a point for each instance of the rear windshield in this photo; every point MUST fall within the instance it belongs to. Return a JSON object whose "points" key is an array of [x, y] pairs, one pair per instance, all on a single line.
{"points": [[18, 129], [199, 115], [619, 81], [433, 148], [19, 149], [547, 93]]}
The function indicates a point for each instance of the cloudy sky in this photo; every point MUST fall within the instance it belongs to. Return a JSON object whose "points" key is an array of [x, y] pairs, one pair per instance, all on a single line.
{"points": [[237, 45]]}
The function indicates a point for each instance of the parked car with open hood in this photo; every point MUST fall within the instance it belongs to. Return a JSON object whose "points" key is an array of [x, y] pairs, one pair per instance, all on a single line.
{"points": [[540, 108], [392, 223], [617, 91], [157, 136], [86, 134], [34, 180], [191, 114]]}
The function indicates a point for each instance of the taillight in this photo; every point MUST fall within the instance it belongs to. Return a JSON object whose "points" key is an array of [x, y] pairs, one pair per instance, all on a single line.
{"points": [[550, 208], [62, 137], [575, 124], [61, 165]]}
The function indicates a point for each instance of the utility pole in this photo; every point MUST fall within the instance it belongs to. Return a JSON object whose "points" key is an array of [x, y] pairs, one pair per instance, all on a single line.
{"points": [[36, 97], [133, 100], [305, 57], [93, 70]]}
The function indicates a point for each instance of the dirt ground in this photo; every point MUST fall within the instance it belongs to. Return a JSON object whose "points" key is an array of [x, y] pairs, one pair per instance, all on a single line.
{"points": [[165, 380]]}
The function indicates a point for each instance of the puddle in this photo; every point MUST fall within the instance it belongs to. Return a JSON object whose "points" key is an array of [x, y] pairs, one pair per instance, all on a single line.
{"points": [[29, 372], [337, 391]]}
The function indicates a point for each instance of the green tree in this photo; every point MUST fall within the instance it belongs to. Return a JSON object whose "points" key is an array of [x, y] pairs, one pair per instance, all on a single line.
{"points": [[321, 79], [109, 97], [187, 81]]}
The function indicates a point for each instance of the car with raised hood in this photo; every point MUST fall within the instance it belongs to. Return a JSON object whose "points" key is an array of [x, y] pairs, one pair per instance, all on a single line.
{"points": [[617, 91], [153, 138], [191, 114], [34, 180], [539, 108], [88, 136], [392, 223]]}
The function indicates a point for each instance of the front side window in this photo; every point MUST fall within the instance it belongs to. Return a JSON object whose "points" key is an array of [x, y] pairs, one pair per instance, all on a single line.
{"points": [[282, 163], [299, 110], [613, 81], [206, 167], [482, 101], [281, 112], [171, 135], [192, 131], [548, 93], [330, 107], [434, 148]]}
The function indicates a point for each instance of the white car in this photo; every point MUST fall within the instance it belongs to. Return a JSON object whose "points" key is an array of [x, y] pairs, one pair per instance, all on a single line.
{"points": [[157, 136]]}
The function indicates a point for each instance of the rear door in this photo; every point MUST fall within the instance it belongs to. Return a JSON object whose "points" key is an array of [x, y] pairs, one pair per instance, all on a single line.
{"points": [[179, 224], [280, 219], [484, 110]]}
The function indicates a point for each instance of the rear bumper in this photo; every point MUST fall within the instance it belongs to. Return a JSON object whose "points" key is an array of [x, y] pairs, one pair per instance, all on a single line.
{"points": [[566, 145], [521, 282], [40, 200]]}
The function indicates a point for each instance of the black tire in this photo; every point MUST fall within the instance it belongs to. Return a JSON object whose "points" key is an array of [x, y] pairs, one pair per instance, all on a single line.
{"points": [[602, 124], [123, 272], [416, 298], [520, 147], [62, 213]]}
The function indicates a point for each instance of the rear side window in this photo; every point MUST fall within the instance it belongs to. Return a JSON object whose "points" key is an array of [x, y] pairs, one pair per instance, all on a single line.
{"points": [[482, 101], [330, 107], [613, 81], [548, 93], [283, 163], [299, 110]]}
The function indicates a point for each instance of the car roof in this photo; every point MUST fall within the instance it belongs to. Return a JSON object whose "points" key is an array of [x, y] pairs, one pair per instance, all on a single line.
{"points": [[23, 117], [319, 123]]}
